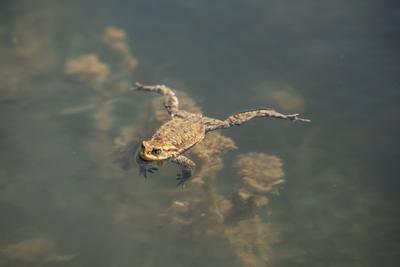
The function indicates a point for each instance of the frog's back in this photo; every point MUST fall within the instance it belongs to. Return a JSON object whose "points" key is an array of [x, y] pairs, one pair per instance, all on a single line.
{"points": [[181, 133]]}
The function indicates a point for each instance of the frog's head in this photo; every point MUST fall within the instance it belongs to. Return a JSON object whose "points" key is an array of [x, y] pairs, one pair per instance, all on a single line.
{"points": [[154, 150]]}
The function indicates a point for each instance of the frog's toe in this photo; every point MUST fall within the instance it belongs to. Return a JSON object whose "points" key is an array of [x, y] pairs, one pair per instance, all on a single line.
{"points": [[152, 169], [182, 178], [144, 170]]}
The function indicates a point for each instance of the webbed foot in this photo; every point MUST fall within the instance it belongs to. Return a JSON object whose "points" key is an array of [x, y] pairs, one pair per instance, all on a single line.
{"points": [[143, 170], [186, 166], [183, 177], [295, 117]]}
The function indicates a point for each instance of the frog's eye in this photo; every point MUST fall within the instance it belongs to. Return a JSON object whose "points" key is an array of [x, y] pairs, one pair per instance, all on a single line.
{"points": [[156, 151]]}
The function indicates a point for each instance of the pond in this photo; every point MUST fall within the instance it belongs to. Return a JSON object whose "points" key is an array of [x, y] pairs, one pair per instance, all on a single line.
{"points": [[267, 193]]}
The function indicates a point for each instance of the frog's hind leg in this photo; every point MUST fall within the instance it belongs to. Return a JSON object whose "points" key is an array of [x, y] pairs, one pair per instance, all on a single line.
{"points": [[243, 117], [187, 166], [171, 102]]}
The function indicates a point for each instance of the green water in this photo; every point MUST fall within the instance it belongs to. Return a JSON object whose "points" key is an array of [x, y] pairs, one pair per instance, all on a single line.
{"points": [[63, 202]]}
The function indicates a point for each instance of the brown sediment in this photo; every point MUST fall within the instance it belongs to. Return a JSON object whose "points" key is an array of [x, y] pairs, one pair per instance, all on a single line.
{"points": [[212, 146], [221, 209], [261, 201], [88, 69], [29, 49], [178, 212], [36, 251], [187, 103], [116, 39], [78, 109], [261, 173], [209, 152], [33, 37], [204, 172], [102, 115], [251, 240], [126, 136], [244, 195], [234, 218], [284, 97]]}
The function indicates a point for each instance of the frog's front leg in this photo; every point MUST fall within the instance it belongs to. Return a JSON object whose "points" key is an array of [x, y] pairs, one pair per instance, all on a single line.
{"points": [[144, 166], [187, 166]]}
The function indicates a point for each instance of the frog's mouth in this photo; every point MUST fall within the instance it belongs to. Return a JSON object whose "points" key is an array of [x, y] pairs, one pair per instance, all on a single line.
{"points": [[144, 157], [148, 157], [140, 155], [146, 160]]}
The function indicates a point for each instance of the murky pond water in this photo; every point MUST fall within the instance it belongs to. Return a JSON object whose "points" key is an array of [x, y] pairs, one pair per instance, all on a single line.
{"points": [[268, 193]]}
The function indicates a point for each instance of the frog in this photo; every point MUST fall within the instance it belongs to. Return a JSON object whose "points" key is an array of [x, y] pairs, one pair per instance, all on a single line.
{"points": [[184, 130]]}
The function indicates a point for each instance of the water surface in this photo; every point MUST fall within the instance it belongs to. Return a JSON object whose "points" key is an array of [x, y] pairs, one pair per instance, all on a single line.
{"points": [[64, 202]]}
